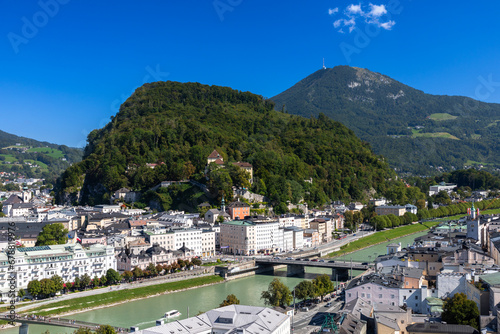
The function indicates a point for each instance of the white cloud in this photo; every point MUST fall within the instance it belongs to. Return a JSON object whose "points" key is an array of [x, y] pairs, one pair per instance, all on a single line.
{"points": [[371, 14], [377, 11], [387, 25], [332, 11], [354, 9]]}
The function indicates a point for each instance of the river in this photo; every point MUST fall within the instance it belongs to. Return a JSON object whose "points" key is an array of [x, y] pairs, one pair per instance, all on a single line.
{"points": [[143, 313]]}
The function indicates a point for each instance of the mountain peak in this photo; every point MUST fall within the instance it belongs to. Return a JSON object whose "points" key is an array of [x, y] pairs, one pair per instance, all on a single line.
{"points": [[395, 118]]}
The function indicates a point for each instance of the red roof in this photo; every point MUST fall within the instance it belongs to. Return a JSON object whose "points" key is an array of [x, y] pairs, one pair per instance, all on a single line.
{"points": [[219, 162], [243, 164], [214, 155]]}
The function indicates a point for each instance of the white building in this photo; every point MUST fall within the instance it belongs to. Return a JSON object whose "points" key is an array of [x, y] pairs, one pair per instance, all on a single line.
{"points": [[267, 237], [207, 243], [190, 238], [67, 261], [228, 319], [448, 187], [107, 208]]}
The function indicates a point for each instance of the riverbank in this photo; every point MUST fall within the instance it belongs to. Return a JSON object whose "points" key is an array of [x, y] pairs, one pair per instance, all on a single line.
{"points": [[113, 298], [382, 236]]}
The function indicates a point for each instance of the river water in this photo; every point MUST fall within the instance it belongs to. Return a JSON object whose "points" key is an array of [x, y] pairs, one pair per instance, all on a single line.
{"points": [[143, 313]]}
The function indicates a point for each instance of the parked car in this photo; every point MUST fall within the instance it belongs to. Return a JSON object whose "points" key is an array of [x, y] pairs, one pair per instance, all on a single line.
{"points": [[289, 258], [321, 261], [332, 261], [314, 260], [329, 304]]}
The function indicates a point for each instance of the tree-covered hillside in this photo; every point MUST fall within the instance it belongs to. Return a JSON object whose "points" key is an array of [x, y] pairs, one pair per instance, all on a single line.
{"points": [[51, 159], [416, 132], [177, 125]]}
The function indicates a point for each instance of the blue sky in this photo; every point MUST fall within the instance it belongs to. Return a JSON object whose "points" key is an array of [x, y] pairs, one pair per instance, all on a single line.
{"points": [[66, 65]]}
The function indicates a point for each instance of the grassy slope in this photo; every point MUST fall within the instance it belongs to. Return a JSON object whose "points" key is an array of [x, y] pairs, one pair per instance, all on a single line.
{"points": [[442, 117], [51, 152], [114, 297], [383, 236], [435, 135]]}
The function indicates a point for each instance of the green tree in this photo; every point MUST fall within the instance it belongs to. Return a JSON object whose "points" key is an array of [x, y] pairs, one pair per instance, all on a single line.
{"points": [[96, 281], [105, 329], [112, 276], [277, 294], [21, 293], [461, 311], [357, 219], [420, 204], [85, 281], [152, 269], [230, 300], [78, 283], [127, 275], [52, 234], [137, 272], [304, 290], [47, 287], [103, 280], [196, 261], [34, 288], [322, 285], [349, 219], [83, 330], [58, 283]]}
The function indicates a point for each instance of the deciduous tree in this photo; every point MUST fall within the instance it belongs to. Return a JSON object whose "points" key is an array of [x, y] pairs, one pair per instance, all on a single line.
{"points": [[230, 300], [277, 294]]}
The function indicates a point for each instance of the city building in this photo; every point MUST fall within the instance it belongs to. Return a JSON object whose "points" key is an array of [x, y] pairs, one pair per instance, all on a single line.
{"points": [[235, 319], [238, 210], [238, 237], [397, 210], [67, 261], [448, 187]]}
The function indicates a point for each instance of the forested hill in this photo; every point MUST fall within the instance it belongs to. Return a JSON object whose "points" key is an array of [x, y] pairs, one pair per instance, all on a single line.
{"points": [[51, 159], [416, 132], [177, 125]]}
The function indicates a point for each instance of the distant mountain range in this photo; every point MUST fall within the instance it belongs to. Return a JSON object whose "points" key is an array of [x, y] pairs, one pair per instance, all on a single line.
{"points": [[34, 158], [418, 133]]}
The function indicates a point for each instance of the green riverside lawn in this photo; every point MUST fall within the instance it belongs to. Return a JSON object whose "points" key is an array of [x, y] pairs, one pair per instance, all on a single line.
{"points": [[383, 236], [115, 297]]}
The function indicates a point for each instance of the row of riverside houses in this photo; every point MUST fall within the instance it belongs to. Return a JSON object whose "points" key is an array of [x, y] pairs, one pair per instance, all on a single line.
{"points": [[137, 239], [406, 290]]}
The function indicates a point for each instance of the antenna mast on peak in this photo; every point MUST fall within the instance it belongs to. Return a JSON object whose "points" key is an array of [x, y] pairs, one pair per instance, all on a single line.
{"points": [[324, 67]]}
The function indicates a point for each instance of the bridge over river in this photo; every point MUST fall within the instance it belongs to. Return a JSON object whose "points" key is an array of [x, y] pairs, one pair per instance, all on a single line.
{"points": [[26, 320], [297, 266]]}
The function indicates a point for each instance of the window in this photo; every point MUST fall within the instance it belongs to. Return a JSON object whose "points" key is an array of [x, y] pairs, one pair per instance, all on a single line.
{"points": [[380, 296]]}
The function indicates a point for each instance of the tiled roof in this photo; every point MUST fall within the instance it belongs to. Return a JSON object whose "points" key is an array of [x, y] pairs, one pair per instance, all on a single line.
{"points": [[238, 204], [243, 164], [214, 155]]}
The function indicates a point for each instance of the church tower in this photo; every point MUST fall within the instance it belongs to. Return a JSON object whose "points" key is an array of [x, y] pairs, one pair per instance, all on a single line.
{"points": [[473, 225]]}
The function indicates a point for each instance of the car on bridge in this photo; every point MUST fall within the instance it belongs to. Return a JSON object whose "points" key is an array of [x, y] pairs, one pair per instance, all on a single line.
{"points": [[289, 258]]}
